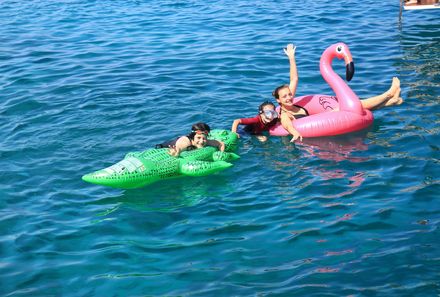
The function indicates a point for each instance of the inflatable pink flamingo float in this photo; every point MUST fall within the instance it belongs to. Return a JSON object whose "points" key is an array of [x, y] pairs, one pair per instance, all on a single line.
{"points": [[330, 115]]}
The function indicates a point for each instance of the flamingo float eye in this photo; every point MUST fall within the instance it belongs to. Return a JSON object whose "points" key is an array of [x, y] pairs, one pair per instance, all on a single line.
{"points": [[339, 49]]}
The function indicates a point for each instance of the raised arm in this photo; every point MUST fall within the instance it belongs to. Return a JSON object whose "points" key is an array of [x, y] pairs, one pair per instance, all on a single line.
{"points": [[290, 52]]}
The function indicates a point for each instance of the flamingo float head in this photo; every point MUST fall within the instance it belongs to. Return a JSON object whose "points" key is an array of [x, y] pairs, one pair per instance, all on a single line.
{"points": [[348, 100], [340, 50]]}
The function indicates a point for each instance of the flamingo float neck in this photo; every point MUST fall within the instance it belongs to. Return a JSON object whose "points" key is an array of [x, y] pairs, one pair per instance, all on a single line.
{"points": [[348, 100]]}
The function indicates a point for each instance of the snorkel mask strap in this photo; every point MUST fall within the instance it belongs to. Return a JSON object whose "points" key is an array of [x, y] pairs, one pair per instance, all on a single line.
{"points": [[200, 132]]}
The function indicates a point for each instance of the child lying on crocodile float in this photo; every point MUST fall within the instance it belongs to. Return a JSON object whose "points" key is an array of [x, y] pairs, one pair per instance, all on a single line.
{"points": [[194, 140], [192, 155]]}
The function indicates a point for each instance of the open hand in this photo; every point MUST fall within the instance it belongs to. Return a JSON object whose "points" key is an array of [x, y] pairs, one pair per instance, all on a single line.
{"points": [[296, 136], [290, 50]]}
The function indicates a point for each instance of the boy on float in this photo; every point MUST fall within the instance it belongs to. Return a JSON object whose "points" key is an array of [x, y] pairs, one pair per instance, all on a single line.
{"points": [[194, 140]]}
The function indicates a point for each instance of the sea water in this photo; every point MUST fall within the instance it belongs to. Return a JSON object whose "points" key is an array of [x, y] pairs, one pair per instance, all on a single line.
{"points": [[84, 82]]}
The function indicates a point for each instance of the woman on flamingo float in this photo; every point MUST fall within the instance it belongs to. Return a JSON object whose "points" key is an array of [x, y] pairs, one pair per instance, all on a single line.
{"points": [[289, 111]]}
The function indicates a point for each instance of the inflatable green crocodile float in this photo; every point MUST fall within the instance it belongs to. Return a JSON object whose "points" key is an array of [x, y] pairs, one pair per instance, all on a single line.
{"points": [[139, 169]]}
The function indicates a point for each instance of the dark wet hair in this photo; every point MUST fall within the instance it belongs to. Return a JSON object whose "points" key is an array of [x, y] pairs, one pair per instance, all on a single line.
{"points": [[199, 127], [276, 92], [265, 103]]}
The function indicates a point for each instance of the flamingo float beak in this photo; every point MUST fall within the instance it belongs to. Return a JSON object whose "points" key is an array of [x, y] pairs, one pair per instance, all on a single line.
{"points": [[349, 65], [349, 70]]}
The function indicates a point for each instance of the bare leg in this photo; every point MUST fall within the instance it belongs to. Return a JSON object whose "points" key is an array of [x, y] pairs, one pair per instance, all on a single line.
{"points": [[389, 98]]}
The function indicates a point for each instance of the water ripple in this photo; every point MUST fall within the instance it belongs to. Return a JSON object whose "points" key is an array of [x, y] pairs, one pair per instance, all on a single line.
{"points": [[85, 82]]}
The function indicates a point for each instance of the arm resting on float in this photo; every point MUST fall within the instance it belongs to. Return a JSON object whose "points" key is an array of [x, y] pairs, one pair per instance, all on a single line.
{"points": [[216, 143], [181, 145], [286, 122], [235, 125]]}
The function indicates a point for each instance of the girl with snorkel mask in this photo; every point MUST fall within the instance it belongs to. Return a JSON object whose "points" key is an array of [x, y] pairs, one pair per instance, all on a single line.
{"points": [[266, 118]]}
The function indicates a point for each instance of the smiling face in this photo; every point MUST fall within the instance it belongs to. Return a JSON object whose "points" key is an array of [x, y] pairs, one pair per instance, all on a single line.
{"points": [[285, 97], [199, 140]]}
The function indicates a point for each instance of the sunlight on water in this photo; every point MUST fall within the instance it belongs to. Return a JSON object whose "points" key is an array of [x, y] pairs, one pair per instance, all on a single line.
{"points": [[85, 82]]}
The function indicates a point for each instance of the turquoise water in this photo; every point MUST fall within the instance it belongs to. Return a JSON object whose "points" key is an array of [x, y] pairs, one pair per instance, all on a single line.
{"points": [[84, 82]]}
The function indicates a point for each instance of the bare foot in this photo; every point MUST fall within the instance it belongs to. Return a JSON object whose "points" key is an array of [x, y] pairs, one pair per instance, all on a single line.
{"points": [[395, 100], [396, 82], [395, 88]]}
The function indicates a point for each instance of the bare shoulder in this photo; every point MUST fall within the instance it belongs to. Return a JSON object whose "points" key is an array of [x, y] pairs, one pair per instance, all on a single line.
{"points": [[183, 141], [286, 115]]}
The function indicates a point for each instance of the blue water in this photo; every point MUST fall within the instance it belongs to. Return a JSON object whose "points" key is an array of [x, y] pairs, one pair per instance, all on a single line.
{"points": [[84, 82]]}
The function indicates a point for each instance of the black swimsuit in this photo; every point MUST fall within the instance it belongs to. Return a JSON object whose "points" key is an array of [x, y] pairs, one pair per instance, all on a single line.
{"points": [[298, 116], [172, 143]]}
